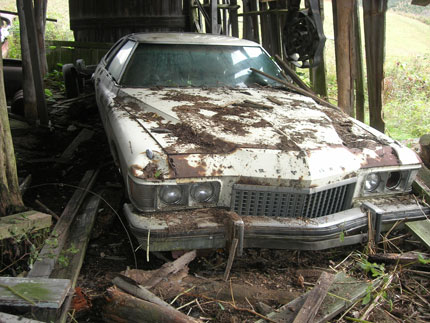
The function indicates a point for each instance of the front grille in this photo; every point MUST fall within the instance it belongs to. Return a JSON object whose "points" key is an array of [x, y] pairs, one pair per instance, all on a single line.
{"points": [[286, 202]]}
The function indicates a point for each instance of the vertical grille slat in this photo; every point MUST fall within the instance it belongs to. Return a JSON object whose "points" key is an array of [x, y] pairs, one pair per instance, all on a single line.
{"points": [[277, 202]]}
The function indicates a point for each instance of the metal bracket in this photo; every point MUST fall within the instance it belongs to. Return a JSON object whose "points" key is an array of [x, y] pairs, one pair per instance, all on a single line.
{"points": [[235, 230], [376, 214]]}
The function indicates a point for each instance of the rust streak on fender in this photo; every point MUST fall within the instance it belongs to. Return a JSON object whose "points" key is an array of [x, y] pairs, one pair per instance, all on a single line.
{"points": [[387, 156]]}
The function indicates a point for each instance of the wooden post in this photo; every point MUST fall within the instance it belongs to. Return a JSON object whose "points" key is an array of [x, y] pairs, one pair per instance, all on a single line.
{"points": [[214, 17], [10, 196], [250, 23], [344, 44], [234, 20], [359, 84], [374, 35], [40, 8], [30, 104], [35, 62], [317, 74]]}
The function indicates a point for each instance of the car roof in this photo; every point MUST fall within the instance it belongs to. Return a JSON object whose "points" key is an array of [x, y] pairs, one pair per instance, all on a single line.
{"points": [[190, 38]]}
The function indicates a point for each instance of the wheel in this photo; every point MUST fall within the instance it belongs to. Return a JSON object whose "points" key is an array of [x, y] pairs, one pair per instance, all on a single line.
{"points": [[17, 104]]}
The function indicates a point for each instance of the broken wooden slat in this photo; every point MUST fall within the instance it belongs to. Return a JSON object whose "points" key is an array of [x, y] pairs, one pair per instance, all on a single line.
{"points": [[130, 286], [122, 307], [4, 317], [394, 258], [170, 268], [40, 292], [84, 135], [421, 229], [420, 2], [20, 223], [50, 251], [231, 256], [25, 184], [315, 298], [291, 73]]}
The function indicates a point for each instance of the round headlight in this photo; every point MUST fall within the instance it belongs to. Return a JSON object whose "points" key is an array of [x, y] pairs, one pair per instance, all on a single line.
{"points": [[171, 194], [393, 180], [372, 182], [202, 192]]}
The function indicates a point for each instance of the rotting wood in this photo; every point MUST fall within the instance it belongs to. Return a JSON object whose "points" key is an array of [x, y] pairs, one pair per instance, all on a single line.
{"points": [[25, 184], [84, 135], [39, 292], [231, 255], [291, 73], [296, 89], [79, 238], [25, 222], [342, 294], [359, 75], [50, 251], [394, 258], [170, 268], [421, 229], [130, 286], [122, 307], [9, 318], [425, 149], [315, 298]]}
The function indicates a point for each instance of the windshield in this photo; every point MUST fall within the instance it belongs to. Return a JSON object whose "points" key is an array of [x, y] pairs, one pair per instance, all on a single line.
{"points": [[198, 65]]}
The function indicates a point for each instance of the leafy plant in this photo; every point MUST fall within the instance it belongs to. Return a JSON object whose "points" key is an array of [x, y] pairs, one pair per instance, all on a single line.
{"points": [[377, 270]]}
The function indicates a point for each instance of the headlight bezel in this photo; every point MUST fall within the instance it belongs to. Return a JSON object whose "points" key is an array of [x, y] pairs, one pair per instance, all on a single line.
{"points": [[403, 179], [141, 193]]}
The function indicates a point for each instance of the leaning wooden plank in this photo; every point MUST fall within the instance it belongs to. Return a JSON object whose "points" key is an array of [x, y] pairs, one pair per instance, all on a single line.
{"points": [[4, 317], [314, 299], [421, 229], [78, 240], [20, 223], [52, 248], [39, 292], [401, 258], [291, 73], [122, 307], [83, 136]]}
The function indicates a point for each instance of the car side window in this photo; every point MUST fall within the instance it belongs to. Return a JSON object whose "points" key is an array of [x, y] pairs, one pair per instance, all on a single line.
{"points": [[117, 64]]}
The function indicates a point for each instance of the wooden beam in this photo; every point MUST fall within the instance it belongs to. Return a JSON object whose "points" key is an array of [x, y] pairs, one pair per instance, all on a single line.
{"points": [[79, 239], [420, 2], [234, 19], [40, 292], [54, 245], [35, 62], [359, 78], [344, 43], [84, 135], [374, 35], [422, 230], [291, 73], [20, 223]]}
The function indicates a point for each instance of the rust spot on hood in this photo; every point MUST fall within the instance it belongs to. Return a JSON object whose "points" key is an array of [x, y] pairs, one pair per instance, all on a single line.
{"points": [[183, 169], [387, 156]]}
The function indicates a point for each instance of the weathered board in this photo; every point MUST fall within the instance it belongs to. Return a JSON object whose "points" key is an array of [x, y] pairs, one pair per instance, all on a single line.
{"points": [[40, 292], [4, 317], [20, 223], [421, 229]]}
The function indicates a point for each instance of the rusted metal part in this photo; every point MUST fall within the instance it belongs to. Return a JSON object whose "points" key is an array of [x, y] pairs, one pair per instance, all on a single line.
{"points": [[386, 156]]}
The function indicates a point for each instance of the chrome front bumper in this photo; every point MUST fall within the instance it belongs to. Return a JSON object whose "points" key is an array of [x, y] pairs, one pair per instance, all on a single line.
{"points": [[214, 228]]}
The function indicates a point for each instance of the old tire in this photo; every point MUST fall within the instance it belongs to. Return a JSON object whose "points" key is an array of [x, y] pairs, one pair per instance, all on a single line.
{"points": [[71, 81], [17, 104]]}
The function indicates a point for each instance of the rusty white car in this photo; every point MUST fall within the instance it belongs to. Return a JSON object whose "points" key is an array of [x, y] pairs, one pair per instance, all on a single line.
{"points": [[213, 152]]}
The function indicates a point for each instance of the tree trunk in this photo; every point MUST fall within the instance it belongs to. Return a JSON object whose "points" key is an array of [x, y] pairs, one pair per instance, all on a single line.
{"points": [[10, 196], [40, 7], [30, 105]]}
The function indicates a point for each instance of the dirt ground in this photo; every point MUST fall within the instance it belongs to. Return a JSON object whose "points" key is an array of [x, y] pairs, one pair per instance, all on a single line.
{"points": [[279, 276]]}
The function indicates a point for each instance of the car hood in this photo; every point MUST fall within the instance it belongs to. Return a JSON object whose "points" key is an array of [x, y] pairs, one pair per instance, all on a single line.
{"points": [[256, 128]]}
